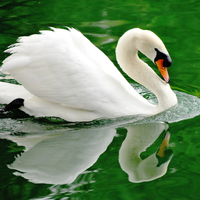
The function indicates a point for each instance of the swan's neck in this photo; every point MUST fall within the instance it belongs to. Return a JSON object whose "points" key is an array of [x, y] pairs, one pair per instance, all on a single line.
{"points": [[133, 66]]}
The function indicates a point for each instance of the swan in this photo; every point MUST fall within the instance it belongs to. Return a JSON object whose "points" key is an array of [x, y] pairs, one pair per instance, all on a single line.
{"points": [[62, 74]]}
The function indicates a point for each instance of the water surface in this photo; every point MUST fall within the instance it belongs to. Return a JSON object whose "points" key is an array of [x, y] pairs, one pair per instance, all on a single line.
{"points": [[52, 159]]}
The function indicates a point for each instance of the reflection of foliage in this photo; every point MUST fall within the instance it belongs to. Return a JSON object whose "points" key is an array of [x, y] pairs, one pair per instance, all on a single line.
{"points": [[187, 88], [15, 19], [13, 15]]}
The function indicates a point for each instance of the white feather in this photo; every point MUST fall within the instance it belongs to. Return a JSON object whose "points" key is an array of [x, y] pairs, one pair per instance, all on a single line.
{"points": [[63, 69]]}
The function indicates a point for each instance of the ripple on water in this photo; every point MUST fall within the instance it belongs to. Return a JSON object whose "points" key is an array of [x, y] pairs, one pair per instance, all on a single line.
{"points": [[188, 107], [181, 186]]}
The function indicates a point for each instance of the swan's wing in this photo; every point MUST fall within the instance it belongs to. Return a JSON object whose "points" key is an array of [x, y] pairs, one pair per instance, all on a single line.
{"points": [[62, 66]]}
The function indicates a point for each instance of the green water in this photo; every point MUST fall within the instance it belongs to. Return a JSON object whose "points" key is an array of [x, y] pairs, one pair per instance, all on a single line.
{"points": [[43, 159]]}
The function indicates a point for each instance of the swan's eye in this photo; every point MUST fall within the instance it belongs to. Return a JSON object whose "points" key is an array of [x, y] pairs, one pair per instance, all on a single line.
{"points": [[160, 55]]}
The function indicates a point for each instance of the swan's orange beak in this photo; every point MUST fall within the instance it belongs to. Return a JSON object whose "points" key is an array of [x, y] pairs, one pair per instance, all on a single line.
{"points": [[163, 70]]}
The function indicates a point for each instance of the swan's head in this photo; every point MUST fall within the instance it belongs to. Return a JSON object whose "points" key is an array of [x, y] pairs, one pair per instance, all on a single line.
{"points": [[152, 46], [163, 61], [147, 43]]}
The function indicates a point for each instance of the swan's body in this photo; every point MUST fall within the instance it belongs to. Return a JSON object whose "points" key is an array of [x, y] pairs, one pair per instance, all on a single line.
{"points": [[64, 75]]}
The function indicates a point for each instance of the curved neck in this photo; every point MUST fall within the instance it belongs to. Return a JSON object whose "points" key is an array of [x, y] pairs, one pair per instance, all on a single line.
{"points": [[133, 66]]}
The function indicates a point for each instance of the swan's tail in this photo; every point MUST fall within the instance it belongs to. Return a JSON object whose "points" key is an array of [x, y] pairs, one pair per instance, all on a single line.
{"points": [[9, 92]]}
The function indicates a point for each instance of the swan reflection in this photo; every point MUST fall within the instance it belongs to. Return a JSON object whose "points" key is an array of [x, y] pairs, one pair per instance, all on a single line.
{"points": [[139, 138], [58, 156]]}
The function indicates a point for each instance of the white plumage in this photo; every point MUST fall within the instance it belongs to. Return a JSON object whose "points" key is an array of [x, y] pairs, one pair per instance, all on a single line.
{"points": [[64, 75]]}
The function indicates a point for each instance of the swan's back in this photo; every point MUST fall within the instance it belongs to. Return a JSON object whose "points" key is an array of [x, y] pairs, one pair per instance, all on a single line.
{"points": [[64, 67]]}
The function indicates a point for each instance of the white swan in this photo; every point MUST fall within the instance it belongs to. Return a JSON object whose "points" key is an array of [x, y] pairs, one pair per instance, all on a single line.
{"points": [[64, 75]]}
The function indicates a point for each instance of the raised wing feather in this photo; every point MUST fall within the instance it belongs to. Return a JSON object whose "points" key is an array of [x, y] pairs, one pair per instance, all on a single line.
{"points": [[64, 67]]}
